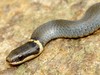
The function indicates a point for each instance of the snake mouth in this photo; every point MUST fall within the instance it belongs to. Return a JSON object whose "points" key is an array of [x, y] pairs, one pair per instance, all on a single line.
{"points": [[22, 61], [24, 53]]}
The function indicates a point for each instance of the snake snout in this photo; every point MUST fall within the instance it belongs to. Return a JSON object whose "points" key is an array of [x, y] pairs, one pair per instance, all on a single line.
{"points": [[23, 53]]}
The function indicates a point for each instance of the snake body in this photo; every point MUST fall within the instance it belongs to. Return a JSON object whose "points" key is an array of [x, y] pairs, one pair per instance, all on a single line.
{"points": [[88, 24]]}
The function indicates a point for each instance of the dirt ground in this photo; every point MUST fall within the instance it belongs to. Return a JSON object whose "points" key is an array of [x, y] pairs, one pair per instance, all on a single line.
{"points": [[19, 18]]}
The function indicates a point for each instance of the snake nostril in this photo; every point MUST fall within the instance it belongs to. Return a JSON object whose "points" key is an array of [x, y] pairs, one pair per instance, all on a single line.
{"points": [[8, 59]]}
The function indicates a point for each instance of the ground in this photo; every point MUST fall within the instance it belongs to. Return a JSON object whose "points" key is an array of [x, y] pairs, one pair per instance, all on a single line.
{"points": [[19, 18]]}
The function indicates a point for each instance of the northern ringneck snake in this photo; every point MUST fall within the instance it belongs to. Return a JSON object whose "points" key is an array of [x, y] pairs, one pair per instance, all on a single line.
{"points": [[88, 24]]}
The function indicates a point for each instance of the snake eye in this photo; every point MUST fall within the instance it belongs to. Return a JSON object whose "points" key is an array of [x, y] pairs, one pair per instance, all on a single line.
{"points": [[20, 58]]}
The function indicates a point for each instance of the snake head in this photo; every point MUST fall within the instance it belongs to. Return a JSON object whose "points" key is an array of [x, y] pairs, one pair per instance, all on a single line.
{"points": [[23, 53]]}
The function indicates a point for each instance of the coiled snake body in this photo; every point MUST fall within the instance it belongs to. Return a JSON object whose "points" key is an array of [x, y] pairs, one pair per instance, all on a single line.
{"points": [[55, 29]]}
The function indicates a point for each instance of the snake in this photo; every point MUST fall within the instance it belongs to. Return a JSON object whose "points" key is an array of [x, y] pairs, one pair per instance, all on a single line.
{"points": [[54, 29]]}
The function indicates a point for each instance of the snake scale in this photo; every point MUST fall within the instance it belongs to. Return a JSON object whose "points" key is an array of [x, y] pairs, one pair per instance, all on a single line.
{"points": [[88, 24]]}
